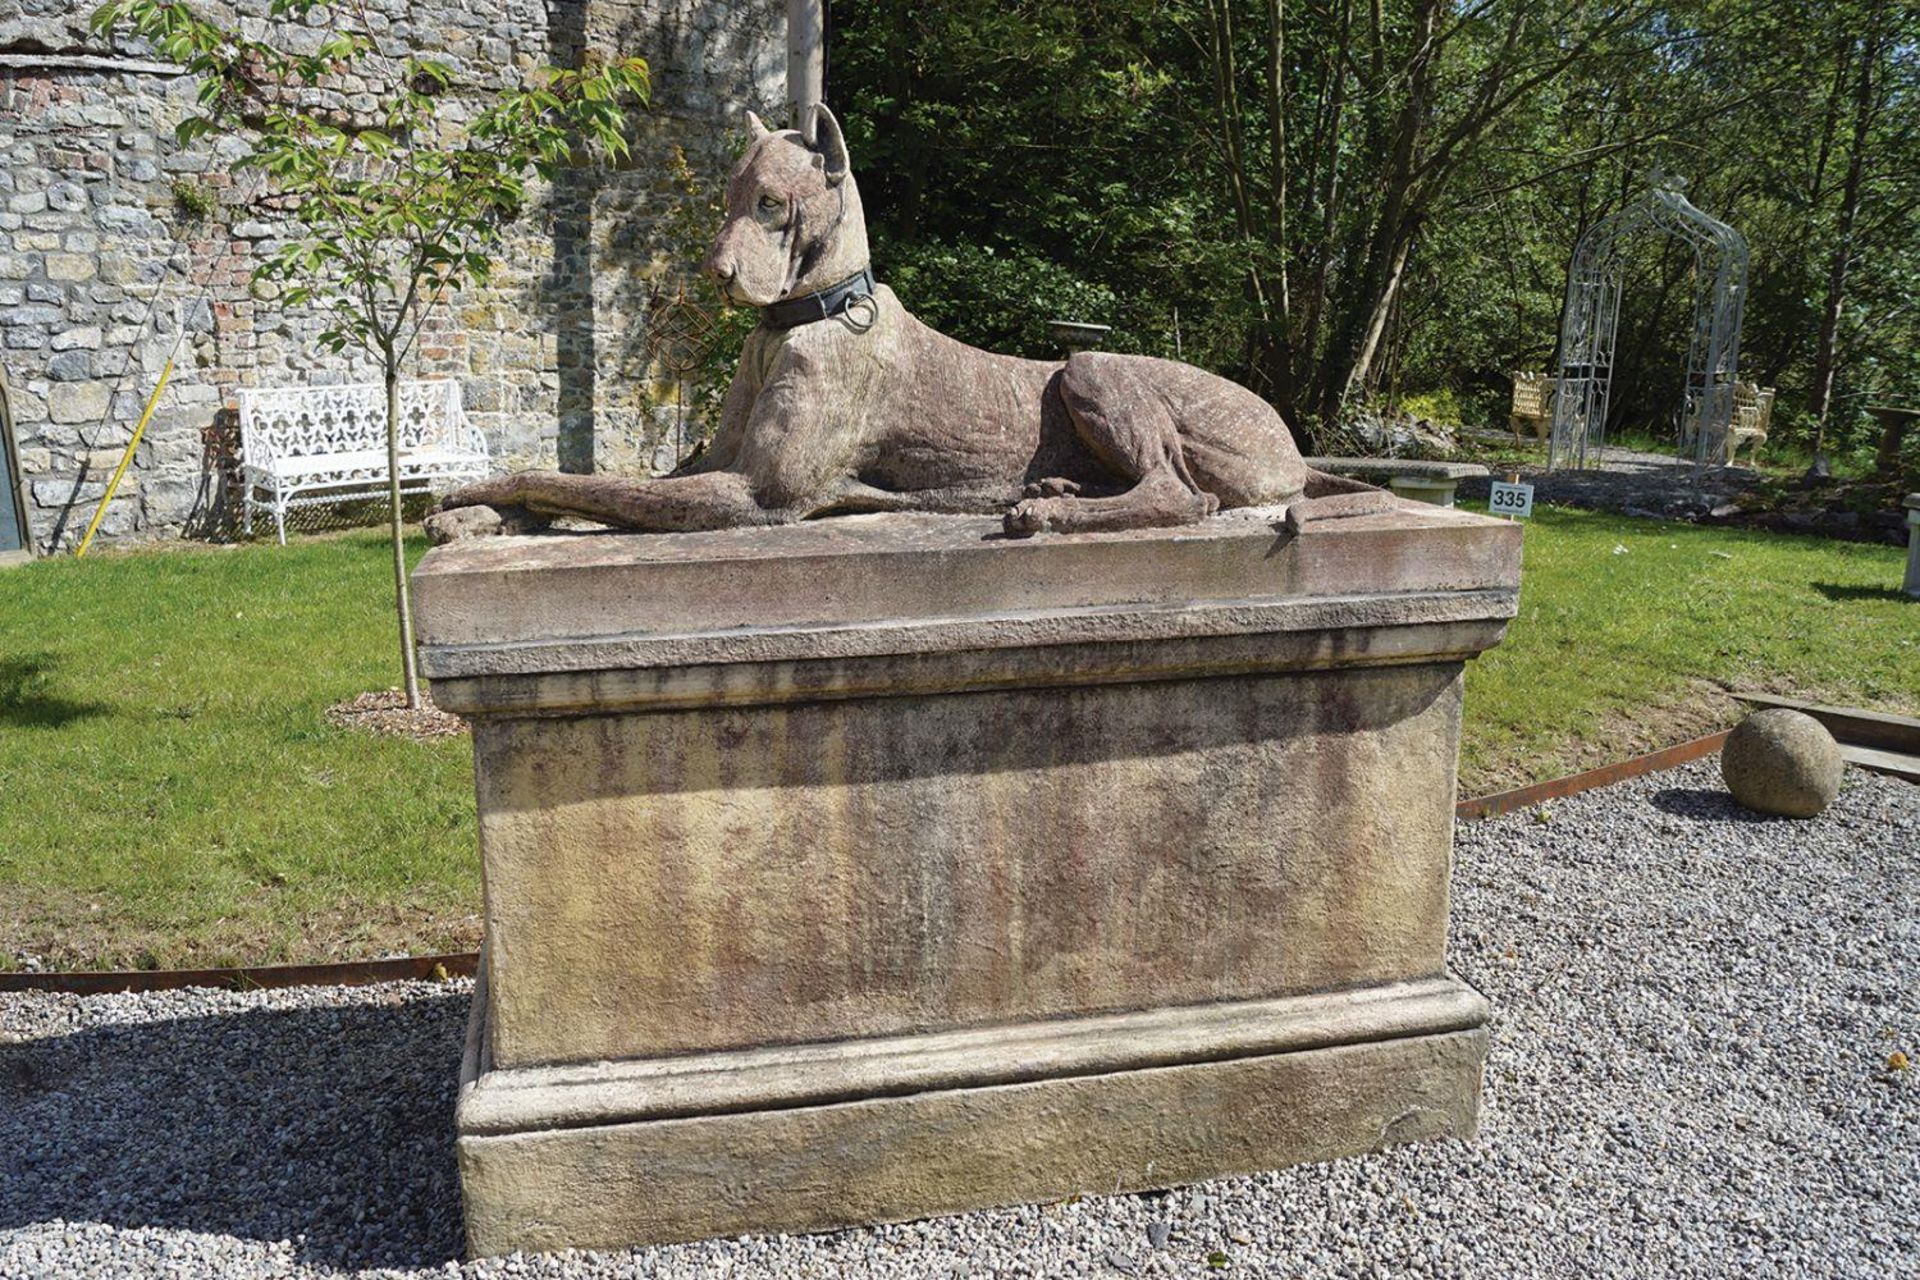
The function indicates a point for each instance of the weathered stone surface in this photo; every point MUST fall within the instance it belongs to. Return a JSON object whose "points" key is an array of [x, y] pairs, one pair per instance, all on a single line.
{"points": [[70, 266], [896, 847], [867, 867], [71, 366], [843, 401], [540, 605], [1352, 1084], [85, 337], [76, 402], [1782, 761]]}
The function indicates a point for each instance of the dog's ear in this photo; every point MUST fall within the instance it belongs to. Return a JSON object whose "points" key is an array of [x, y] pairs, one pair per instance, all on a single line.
{"points": [[757, 127], [831, 144]]}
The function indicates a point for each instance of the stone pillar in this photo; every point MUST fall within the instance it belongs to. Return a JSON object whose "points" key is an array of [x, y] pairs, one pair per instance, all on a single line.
{"points": [[881, 866], [1913, 544]]}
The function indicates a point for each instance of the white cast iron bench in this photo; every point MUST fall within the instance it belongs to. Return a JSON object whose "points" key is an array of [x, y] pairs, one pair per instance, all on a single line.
{"points": [[306, 446], [1752, 414], [1532, 404]]}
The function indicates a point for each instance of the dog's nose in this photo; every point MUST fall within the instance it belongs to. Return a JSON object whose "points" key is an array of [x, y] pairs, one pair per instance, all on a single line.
{"points": [[722, 275]]}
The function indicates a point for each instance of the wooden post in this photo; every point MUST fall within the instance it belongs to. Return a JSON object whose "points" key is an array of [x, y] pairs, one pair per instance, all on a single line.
{"points": [[806, 61]]}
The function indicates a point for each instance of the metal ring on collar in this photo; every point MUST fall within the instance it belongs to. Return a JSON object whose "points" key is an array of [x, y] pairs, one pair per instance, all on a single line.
{"points": [[872, 306]]}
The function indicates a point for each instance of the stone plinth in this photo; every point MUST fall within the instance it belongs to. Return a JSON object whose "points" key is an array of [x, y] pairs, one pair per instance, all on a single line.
{"points": [[1912, 584], [882, 866]]}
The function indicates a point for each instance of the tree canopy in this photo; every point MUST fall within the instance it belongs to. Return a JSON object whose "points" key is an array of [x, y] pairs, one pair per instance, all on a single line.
{"points": [[1354, 199]]}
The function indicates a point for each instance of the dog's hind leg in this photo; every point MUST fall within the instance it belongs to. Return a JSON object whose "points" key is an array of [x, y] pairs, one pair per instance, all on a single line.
{"points": [[1129, 428], [1329, 497]]}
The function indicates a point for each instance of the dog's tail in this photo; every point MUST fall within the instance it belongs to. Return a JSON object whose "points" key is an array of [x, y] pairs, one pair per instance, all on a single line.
{"points": [[1331, 497]]}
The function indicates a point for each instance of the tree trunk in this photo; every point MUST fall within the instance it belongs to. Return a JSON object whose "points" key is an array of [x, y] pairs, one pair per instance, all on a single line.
{"points": [[403, 603], [1277, 352], [1820, 390], [1350, 356], [1361, 374], [1313, 307]]}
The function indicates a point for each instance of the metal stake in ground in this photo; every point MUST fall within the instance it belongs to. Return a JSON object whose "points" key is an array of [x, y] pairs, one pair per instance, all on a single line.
{"points": [[146, 416]]}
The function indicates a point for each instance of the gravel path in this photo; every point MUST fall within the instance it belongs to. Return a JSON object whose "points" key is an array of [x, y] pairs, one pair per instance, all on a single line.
{"points": [[1637, 484], [1689, 1077], [1658, 486]]}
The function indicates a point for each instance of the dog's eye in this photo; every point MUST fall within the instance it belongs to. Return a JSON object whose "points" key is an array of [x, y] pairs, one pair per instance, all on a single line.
{"points": [[771, 204]]}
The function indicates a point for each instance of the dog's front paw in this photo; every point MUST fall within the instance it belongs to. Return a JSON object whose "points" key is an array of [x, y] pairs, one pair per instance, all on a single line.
{"points": [[1032, 515], [456, 524], [1053, 487]]}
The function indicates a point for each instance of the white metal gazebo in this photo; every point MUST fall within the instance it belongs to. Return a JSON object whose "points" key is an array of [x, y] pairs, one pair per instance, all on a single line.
{"points": [[1592, 312]]}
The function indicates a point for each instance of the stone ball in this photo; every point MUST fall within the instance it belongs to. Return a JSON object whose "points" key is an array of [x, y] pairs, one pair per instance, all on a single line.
{"points": [[1782, 761]]}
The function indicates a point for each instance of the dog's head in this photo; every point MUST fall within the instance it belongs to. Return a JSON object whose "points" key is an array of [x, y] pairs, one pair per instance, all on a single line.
{"points": [[794, 223]]}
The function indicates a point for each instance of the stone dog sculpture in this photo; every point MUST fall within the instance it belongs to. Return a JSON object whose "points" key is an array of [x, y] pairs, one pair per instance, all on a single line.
{"points": [[843, 402]]}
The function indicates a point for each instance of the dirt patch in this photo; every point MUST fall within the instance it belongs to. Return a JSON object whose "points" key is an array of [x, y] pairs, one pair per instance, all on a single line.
{"points": [[386, 711], [1700, 709], [49, 929]]}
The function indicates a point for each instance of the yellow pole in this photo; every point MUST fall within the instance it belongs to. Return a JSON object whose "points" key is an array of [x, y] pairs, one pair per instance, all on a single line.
{"points": [[126, 458]]}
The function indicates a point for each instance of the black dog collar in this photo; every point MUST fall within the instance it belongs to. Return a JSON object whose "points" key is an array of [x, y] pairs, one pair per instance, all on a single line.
{"points": [[824, 305]]}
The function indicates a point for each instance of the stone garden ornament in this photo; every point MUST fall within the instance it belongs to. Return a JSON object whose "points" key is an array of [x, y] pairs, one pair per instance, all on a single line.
{"points": [[857, 871], [843, 403]]}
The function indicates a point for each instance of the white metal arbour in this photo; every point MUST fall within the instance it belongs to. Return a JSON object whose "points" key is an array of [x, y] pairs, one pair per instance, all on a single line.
{"points": [[1592, 315]]}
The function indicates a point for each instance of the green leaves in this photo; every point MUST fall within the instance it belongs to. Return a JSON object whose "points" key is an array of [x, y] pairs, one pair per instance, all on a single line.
{"points": [[191, 129], [1101, 148]]}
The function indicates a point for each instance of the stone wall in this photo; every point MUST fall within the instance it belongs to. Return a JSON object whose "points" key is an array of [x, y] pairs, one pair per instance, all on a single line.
{"points": [[108, 228]]}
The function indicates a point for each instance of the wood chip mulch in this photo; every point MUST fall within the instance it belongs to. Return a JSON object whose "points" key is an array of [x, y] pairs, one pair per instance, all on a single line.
{"points": [[386, 711]]}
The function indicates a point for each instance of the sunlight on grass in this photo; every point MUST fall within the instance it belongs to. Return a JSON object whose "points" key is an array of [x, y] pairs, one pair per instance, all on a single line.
{"points": [[171, 794], [1630, 624], [164, 759]]}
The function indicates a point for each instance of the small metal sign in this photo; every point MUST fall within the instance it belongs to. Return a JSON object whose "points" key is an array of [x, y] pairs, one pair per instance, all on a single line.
{"points": [[1508, 499]]}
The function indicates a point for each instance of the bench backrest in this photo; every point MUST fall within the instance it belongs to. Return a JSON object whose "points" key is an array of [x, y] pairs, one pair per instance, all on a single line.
{"points": [[1532, 393], [299, 422], [1752, 407]]}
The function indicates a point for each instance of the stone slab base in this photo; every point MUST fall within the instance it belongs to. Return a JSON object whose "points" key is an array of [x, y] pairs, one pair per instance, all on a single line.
{"points": [[816, 1137], [880, 867]]}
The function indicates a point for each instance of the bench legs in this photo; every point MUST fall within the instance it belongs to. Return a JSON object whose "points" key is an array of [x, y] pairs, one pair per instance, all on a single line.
{"points": [[276, 503], [1540, 428], [1753, 443], [1436, 490], [279, 502]]}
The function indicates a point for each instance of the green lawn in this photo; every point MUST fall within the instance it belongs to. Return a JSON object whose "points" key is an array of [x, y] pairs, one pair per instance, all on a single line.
{"points": [[170, 793], [169, 790], [1633, 634]]}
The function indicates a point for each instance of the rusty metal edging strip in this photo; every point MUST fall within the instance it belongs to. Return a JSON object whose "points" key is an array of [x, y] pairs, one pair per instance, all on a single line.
{"points": [[1559, 788], [1851, 726], [463, 964], [352, 973]]}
